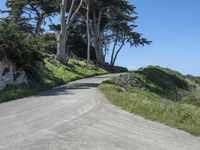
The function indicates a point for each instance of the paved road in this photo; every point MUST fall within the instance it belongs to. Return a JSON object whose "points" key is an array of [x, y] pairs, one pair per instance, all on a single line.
{"points": [[77, 117]]}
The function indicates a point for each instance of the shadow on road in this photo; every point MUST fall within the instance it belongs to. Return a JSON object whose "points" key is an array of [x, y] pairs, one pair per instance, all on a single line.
{"points": [[65, 89]]}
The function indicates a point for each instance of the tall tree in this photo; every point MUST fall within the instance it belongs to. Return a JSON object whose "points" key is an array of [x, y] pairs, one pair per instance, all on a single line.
{"points": [[125, 34], [114, 20], [15, 13], [97, 14], [39, 10], [102, 15], [88, 31], [66, 22], [33, 12], [16, 9]]}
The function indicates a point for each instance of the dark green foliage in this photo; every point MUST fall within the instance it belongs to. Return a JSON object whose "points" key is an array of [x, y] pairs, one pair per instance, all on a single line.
{"points": [[47, 43], [114, 69], [17, 45], [33, 12], [78, 43]]}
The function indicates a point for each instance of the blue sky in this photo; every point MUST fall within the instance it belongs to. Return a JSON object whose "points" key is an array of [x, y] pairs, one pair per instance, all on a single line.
{"points": [[174, 28]]}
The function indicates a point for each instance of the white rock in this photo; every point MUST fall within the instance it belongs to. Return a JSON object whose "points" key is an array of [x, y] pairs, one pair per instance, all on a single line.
{"points": [[10, 74]]}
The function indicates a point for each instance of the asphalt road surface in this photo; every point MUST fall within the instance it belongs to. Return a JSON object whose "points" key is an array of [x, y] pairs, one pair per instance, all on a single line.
{"points": [[76, 116]]}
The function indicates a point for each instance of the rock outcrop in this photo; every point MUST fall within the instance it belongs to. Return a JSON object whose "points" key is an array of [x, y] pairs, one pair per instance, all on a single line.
{"points": [[10, 74]]}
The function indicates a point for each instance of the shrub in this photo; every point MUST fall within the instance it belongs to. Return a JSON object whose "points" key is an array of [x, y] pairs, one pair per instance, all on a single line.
{"points": [[47, 43], [17, 45]]}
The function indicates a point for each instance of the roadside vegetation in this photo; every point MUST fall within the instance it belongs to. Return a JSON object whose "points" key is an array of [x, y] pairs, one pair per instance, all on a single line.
{"points": [[54, 53], [52, 73], [158, 94]]}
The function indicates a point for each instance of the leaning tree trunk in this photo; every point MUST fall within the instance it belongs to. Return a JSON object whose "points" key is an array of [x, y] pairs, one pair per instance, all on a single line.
{"points": [[117, 53], [113, 51]]}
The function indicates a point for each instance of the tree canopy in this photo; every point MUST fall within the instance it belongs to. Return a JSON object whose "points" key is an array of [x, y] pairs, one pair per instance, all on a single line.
{"points": [[100, 26]]}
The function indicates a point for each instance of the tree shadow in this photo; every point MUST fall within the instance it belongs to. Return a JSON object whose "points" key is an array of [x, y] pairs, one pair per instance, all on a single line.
{"points": [[101, 77], [67, 89]]}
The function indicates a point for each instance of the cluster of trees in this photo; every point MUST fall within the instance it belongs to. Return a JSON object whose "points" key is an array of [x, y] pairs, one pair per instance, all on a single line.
{"points": [[103, 26]]}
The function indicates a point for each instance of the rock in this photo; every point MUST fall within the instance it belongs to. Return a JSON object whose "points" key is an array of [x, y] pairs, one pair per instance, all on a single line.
{"points": [[126, 83], [10, 74]]}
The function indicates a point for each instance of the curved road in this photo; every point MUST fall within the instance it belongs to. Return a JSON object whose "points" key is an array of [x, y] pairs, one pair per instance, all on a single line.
{"points": [[77, 117]]}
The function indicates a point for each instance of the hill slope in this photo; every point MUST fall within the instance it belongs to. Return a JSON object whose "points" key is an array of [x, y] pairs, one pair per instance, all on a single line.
{"points": [[158, 94]]}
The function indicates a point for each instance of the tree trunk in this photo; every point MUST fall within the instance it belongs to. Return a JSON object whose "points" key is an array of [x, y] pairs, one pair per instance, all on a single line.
{"points": [[105, 52], [99, 53], [97, 37], [61, 46], [65, 25], [115, 58], [88, 33], [38, 25], [113, 51]]}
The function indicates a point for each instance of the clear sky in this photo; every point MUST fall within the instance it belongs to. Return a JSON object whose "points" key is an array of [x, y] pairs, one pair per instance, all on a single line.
{"points": [[174, 28]]}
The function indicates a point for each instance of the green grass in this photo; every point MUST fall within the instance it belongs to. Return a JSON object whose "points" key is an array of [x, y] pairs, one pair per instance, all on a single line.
{"points": [[52, 74], [166, 96], [84, 69], [11, 93]]}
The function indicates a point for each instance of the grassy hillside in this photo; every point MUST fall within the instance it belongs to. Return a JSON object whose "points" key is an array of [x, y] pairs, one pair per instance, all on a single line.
{"points": [[50, 74], [159, 94]]}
